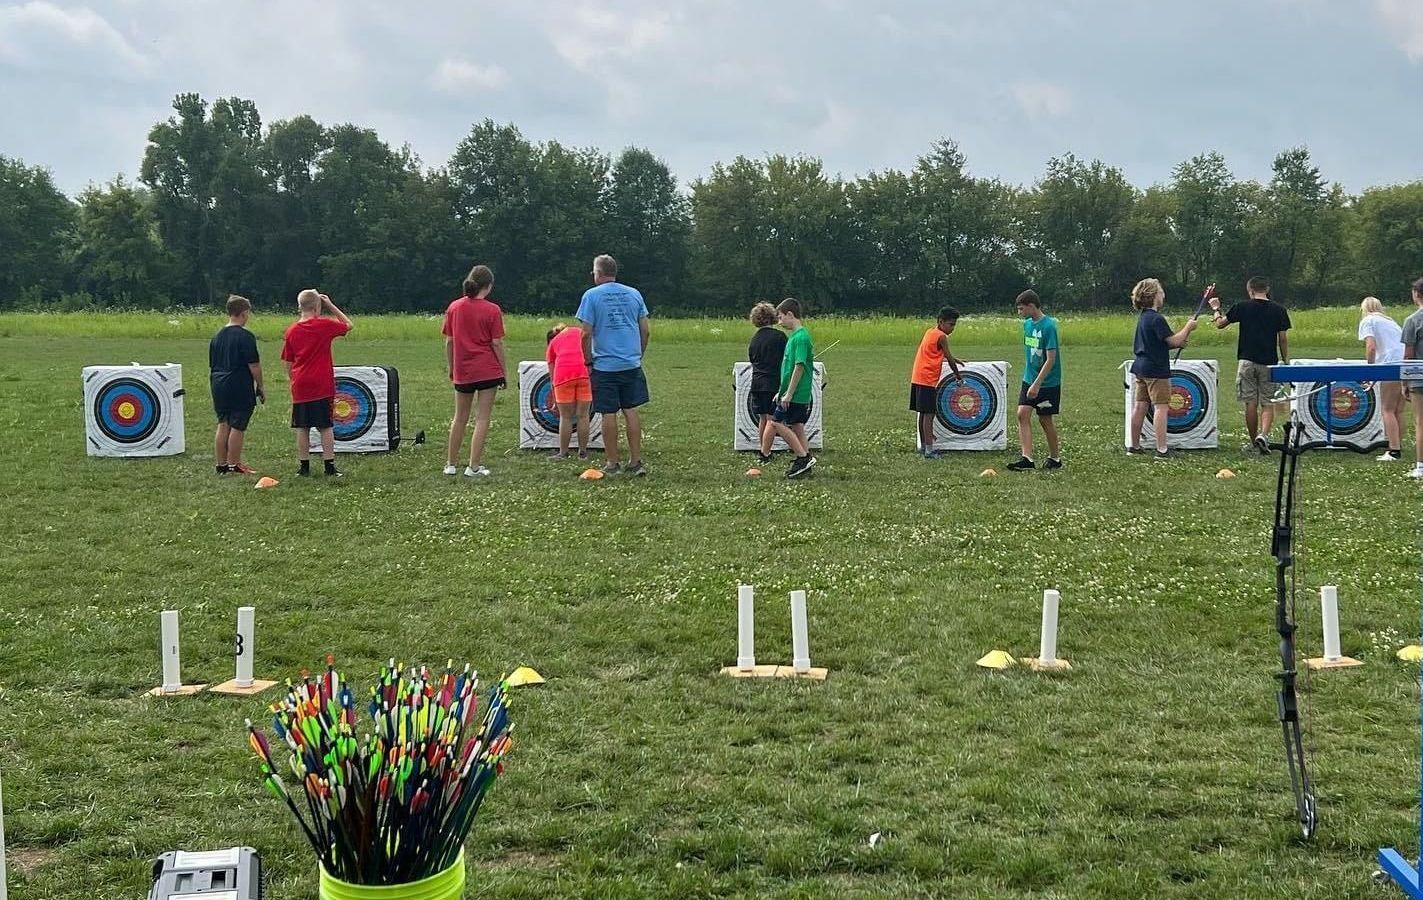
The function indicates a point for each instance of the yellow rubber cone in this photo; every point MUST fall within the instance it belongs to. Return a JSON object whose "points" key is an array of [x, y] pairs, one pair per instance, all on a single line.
{"points": [[522, 676], [997, 660], [1412, 653]]}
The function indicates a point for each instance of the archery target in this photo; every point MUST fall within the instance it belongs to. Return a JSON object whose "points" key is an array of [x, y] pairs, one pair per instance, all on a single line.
{"points": [[365, 412], [133, 410], [1357, 419], [1192, 420], [538, 425], [971, 413], [746, 425]]}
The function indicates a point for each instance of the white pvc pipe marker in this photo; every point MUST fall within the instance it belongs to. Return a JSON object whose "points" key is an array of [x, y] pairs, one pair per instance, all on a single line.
{"points": [[800, 635], [246, 627], [172, 679], [1047, 649], [745, 627], [1329, 615], [4, 892]]}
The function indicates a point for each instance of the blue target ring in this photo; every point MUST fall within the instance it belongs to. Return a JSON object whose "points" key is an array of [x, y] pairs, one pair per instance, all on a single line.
{"points": [[353, 409], [968, 406], [1353, 407], [1189, 403], [126, 410], [539, 399]]}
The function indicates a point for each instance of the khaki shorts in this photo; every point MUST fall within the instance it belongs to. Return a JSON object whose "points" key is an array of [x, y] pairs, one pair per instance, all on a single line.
{"points": [[1252, 382], [1156, 391]]}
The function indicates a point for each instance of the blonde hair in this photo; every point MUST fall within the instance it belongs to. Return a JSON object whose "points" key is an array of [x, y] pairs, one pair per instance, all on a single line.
{"points": [[309, 300], [1146, 293], [1371, 305], [763, 314]]}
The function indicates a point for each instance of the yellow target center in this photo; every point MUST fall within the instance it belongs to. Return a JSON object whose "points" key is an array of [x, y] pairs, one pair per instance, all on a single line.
{"points": [[343, 409], [1178, 402], [126, 410], [965, 403], [1341, 402]]}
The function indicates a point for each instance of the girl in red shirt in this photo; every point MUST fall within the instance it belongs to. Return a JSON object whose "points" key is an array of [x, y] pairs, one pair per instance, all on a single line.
{"points": [[474, 353]]}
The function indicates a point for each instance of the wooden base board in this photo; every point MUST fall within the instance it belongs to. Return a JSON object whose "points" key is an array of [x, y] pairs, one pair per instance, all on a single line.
{"points": [[815, 674], [1060, 665], [186, 690], [232, 688], [1320, 663]]}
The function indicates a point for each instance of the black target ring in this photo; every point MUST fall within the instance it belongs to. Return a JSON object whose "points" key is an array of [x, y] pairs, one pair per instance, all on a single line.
{"points": [[1190, 401], [1353, 408], [353, 409], [127, 411], [967, 406]]}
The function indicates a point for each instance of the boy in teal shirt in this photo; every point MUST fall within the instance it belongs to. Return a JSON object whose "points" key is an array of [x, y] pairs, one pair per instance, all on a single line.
{"points": [[797, 377], [1041, 391]]}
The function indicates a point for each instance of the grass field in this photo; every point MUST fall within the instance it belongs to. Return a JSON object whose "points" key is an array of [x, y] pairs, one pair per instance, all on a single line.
{"points": [[1154, 769]]}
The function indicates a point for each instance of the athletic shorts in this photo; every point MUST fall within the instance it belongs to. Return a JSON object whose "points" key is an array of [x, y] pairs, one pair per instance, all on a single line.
{"points": [[1156, 391], [616, 391], [793, 413], [579, 390], [1048, 402], [1252, 382], [471, 387], [312, 413], [236, 419], [923, 399], [763, 403]]}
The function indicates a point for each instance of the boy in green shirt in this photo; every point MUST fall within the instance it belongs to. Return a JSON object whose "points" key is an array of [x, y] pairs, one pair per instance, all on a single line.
{"points": [[792, 408], [1041, 391]]}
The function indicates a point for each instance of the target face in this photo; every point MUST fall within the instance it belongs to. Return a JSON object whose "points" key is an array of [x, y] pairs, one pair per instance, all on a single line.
{"points": [[126, 411], [967, 406], [353, 410], [1189, 403], [540, 399], [1351, 408]]}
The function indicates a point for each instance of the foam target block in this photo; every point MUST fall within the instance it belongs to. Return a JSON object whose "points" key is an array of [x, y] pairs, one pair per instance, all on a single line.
{"points": [[1342, 414], [971, 413], [1192, 422], [365, 413], [746, 426], [133, 410], [538, 425]]}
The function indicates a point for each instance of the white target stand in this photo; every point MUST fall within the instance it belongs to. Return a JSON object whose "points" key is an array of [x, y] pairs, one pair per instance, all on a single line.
{"points": [[244, 685], [971, 413], [1333, 657], [746, 666], [1047, 659], [172, 685]]}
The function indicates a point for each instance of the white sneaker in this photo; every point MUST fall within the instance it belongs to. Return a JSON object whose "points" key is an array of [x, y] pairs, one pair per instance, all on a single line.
{"points": [[1386, 457], [1417, 472], [480, 472], [452, 469]]}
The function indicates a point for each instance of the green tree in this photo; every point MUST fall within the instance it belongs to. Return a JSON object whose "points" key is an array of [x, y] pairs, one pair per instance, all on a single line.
{"points": [[648, 225], [36, 232], [1076, 215], [119, 257], [1389, 238], [1207, 220], [970, 229]]}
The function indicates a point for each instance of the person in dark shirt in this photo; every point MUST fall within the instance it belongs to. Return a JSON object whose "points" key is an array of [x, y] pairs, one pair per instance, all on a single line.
{"points": [[236, 381], [1151, 367], [768, 347], [1263, 324]]}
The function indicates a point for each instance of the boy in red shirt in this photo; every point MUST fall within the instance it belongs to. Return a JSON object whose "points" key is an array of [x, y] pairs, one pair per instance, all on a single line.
{"points": [[474, 353], [306, 349]]}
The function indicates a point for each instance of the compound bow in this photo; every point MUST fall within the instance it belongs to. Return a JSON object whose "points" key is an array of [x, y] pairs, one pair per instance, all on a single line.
{"points": [[1282, 548]]}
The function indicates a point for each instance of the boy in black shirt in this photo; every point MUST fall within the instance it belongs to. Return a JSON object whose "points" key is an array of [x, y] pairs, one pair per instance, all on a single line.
{"points": [[1263, 324], [768, 347], [236, 380]]}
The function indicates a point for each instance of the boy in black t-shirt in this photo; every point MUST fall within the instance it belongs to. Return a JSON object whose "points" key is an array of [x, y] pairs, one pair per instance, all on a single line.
{"points": [[236, 380], [768, 347], [1263, 324]]}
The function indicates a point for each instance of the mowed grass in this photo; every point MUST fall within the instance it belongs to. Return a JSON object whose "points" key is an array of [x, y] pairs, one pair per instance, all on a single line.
{"points": [[1153, 769]]}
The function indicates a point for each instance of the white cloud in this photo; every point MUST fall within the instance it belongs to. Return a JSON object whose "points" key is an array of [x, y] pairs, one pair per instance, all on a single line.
{"points": [[456, 76], [1042, 100], [589, 33], [1405, 20], [40, 35]]}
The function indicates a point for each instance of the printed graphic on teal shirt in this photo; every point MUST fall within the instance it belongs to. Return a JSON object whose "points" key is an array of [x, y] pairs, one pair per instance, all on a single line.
{"points": [[1038, 339], [799, 350]]}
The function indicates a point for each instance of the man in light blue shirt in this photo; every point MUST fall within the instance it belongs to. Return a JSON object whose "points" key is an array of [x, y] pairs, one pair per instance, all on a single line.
{"points": [[613, 317]]}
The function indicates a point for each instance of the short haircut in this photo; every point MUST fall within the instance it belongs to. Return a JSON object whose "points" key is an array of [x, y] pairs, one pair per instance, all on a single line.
{"points": [[1371, 305], [789, 305], [605, 265], [1257, 285], [1418, 287], [237, 305], [552, 332], [1144, 295], [763, 314], [479, 278], [1028, 298], [309, 300], [948, 314]]}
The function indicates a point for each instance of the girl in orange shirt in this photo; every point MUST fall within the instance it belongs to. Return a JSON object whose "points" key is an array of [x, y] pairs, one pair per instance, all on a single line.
{"points": [[572, 389]]}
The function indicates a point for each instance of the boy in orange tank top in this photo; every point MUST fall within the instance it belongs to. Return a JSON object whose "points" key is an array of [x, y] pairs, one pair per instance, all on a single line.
{"points": [[924, 379]]}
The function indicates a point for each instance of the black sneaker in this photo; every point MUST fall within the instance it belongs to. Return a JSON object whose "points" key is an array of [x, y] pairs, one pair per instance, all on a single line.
{"points": [[765, 458], [635, 470], [800, 466], [1052, 463], [1135, 451], [1160, 455], [331, 471], [304, 471], [1022, 465]]}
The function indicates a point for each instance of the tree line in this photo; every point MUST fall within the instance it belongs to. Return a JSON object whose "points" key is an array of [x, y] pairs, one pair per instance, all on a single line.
{"points": [[224, 204]]}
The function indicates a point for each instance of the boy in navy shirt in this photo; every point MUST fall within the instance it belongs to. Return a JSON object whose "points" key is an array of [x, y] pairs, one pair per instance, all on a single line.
{"points": [[1151, 367], [235, 376]]}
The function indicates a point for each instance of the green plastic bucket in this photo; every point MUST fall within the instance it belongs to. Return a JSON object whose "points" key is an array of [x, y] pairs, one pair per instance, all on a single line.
{"points": [[447, 885]]}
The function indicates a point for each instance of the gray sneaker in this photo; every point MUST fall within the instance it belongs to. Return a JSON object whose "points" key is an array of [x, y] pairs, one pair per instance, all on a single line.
{"points": [[635, 470], [1262, 445], [611, 468]]}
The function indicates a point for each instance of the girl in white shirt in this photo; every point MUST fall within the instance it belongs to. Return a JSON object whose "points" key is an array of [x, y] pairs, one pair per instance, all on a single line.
{"points": [[1383, 343]]}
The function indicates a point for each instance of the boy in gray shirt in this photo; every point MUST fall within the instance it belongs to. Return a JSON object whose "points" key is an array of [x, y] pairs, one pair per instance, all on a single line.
{"points": [[1413, 349]]}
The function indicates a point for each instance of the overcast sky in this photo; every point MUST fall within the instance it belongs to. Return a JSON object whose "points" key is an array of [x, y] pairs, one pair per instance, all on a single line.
{"points": [[864, 85]]}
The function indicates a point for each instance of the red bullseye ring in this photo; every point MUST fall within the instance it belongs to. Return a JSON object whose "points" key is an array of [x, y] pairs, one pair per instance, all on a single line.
{"points": [[1345, 403], [966, 402], [1181, 403], [126, 409]]}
